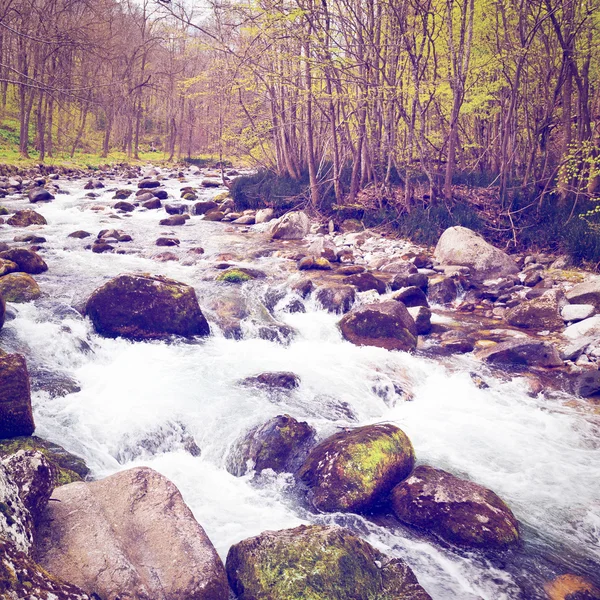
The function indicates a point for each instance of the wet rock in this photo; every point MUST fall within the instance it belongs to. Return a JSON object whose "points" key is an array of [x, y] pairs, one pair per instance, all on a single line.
{"points": [[264, 215], [350, 270], [522, 351], [124, 206], [366, 281], [539, 313], [79, 235], [146, 307], [586, 293], [175, 209], [244, 220], [55, 384], [160, 193], [577, 312], [422, 317], [459, 511], [210, 182], [419, 280], [28, 261], [16, 417], [442, 290], [292, 226], [101, 247], [280, 444], [463, 247], [19, 287], [39, 194], [336, 298], [572, 587], [455, 342], [165, 241], [25, 218], [385, 325], [214, 215], [130, 535], [93, 184], [21, 577], [66, 467], [317, 562], [31, 471], [152, 204], [122, 194], [353, 470], [147, 184], [7, 266], [201, 208], [411, 297], [273, 380], [587, 384], [114, 234], [310, 262], [173, 221]]}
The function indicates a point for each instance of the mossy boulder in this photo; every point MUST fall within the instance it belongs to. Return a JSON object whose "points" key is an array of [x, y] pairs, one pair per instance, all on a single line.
{"points": [[142, 307], [280, 444], [28, 261], [234, 276], [21, 577], [353, 470], [317, 563], [383, 324], [25, 218], [456, 510], [19, 287], [16, 417], [66, 466]]}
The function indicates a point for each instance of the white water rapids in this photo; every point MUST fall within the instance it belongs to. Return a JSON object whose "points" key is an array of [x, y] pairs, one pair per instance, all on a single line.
{"points": [[541, 455]]}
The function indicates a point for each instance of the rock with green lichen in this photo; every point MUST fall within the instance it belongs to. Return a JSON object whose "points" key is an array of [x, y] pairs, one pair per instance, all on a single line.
{"points": [[16, 417], [142, 307], [458, 511], [382, 324], [67, 467], [280, 444], [19, 287], [7, 266], [353, 470], [317, 563], [234, 276]]}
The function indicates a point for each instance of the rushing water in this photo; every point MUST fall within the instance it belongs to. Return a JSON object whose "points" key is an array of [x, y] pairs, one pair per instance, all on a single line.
{"points": [[140, 402]]}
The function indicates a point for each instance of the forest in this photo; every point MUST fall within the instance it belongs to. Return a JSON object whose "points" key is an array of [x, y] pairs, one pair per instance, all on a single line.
{"points": [[376, 102]]}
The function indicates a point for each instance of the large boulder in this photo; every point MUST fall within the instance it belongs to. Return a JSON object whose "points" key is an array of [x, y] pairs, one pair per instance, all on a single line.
{"points": [[66, 467], [21, 578], [16, 417], [353, 470], [539, 313], [384, 324], [28, 261], [317, 562], [586, 293], [39, 194], [19, 287], [459, 511], [16, 523], [280, 444], [143, 307], [292, 226], [462, 247], [129, 536], [25, 218], [522, 351]]}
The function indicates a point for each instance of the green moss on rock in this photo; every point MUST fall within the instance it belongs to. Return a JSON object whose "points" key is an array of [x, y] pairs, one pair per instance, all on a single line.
{"points": [[234, 276]]}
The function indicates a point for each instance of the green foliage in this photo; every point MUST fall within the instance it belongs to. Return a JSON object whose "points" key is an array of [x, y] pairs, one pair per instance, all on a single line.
{"points": [[265, 189], [208, 162]]}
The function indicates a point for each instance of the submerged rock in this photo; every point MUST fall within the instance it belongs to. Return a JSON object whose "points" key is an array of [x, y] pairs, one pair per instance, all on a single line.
{"points": [[130, 536], [572, 587], [273, 380], [146, 307], [16, 417], [353, 470], [21, 577], [317, 562], [280, 444], [336, 298], [462, 247], [459, 511], [385, 325], [25, 218]]}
